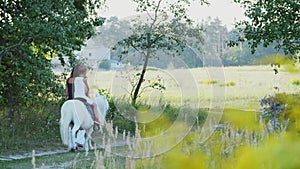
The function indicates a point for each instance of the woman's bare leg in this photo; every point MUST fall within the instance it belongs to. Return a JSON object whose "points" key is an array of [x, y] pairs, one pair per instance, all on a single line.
{"points": [[95, 113]]}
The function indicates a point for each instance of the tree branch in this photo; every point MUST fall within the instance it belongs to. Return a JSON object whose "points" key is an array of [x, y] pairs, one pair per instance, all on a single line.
{"points": [[2, 53]]}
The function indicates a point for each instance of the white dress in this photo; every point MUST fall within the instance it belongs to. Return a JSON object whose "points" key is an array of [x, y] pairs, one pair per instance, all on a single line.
{"points": [[80, 90]]}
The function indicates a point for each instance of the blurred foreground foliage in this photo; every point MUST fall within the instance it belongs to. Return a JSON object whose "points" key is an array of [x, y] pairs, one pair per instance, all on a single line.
{"points": [[123, 116], [240, 141], [244, 141]]}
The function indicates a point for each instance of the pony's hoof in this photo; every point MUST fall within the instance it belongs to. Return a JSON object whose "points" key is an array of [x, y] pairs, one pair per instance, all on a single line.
{"points": [[72, 150], [96, 127], [89, 149]]}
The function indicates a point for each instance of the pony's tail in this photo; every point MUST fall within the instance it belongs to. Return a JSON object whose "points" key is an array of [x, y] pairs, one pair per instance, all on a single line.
{"points": [[64, 126]]}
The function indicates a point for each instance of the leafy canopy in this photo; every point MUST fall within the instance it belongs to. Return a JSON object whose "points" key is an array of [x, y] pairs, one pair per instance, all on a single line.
{"points": [[33, 32], [272, 21]]}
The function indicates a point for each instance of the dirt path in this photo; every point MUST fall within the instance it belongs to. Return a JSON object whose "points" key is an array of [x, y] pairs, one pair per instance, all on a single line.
{"points": [[29, 155], [37, 154]]}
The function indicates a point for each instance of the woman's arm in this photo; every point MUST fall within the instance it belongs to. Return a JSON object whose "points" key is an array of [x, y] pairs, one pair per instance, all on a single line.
{"points": [[67, 93], [66, 88], [87, 87]]}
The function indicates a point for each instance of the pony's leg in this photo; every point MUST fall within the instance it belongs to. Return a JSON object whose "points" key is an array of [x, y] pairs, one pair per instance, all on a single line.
{"points": [[88, 139], [70, 138], [80, 137], [73, 133]]}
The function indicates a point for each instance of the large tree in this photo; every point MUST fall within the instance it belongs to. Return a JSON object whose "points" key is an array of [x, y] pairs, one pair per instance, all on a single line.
{"points": [[164, 25], [33, 32], [272, 21]]}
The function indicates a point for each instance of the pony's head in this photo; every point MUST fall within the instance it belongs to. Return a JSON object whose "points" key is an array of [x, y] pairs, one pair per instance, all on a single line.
{"points": [[103, 107]]}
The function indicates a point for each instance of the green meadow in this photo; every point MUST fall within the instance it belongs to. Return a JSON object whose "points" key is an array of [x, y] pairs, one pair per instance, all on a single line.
{"points": [[168, 140], [240, 87]]}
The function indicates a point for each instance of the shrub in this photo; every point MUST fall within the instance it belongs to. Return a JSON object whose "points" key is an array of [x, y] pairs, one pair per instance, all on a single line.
{"points": [[282, 110], [295, 82], [208, 81], [105, 64], [122, 113], [117, 118], [34, 127], [231, 83]]}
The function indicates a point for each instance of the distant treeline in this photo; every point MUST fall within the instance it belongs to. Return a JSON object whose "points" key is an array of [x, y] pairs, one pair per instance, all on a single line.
{"points": [[216, 40]]}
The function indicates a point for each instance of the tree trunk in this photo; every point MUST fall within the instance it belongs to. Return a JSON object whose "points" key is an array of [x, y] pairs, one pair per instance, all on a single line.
{"points": [[136, 91], [11, 97]]}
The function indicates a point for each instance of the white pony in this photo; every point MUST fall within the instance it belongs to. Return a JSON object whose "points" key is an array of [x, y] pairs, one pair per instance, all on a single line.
{"points": [[75, 111]]}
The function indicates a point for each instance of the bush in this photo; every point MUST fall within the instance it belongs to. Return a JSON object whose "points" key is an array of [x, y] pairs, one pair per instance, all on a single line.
{"points": [[295, 82], [34, 127], [231, 83], [124, 120], [117, 117], [282, 110], [105, 64], [208, 81]]}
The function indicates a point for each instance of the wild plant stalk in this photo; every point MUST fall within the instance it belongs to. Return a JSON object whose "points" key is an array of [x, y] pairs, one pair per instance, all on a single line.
{"points": [[33, 159], [99, 160], [220, 150], [75, 160], [224, 144]]}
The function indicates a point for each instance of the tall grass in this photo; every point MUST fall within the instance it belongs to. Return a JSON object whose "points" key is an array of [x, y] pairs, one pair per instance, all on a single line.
{"points": [[240, 141], [34, 126], [229, 147]]}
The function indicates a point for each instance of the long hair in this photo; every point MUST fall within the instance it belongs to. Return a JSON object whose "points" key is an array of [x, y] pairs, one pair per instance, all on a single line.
{"points": [[75, 70], [72, 73], [79, 69], [82, 69]]}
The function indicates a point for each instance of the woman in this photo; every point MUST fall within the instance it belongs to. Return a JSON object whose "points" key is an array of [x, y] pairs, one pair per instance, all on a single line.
{"points": [[81, 88], [79, 139]]}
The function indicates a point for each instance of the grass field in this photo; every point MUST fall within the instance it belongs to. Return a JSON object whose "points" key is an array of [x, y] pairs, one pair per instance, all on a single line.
{"points": [[250, 84], [234, 89]]}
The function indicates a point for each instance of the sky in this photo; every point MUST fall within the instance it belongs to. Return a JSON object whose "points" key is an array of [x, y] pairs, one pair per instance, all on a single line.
{"points": [[227, 11]]}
